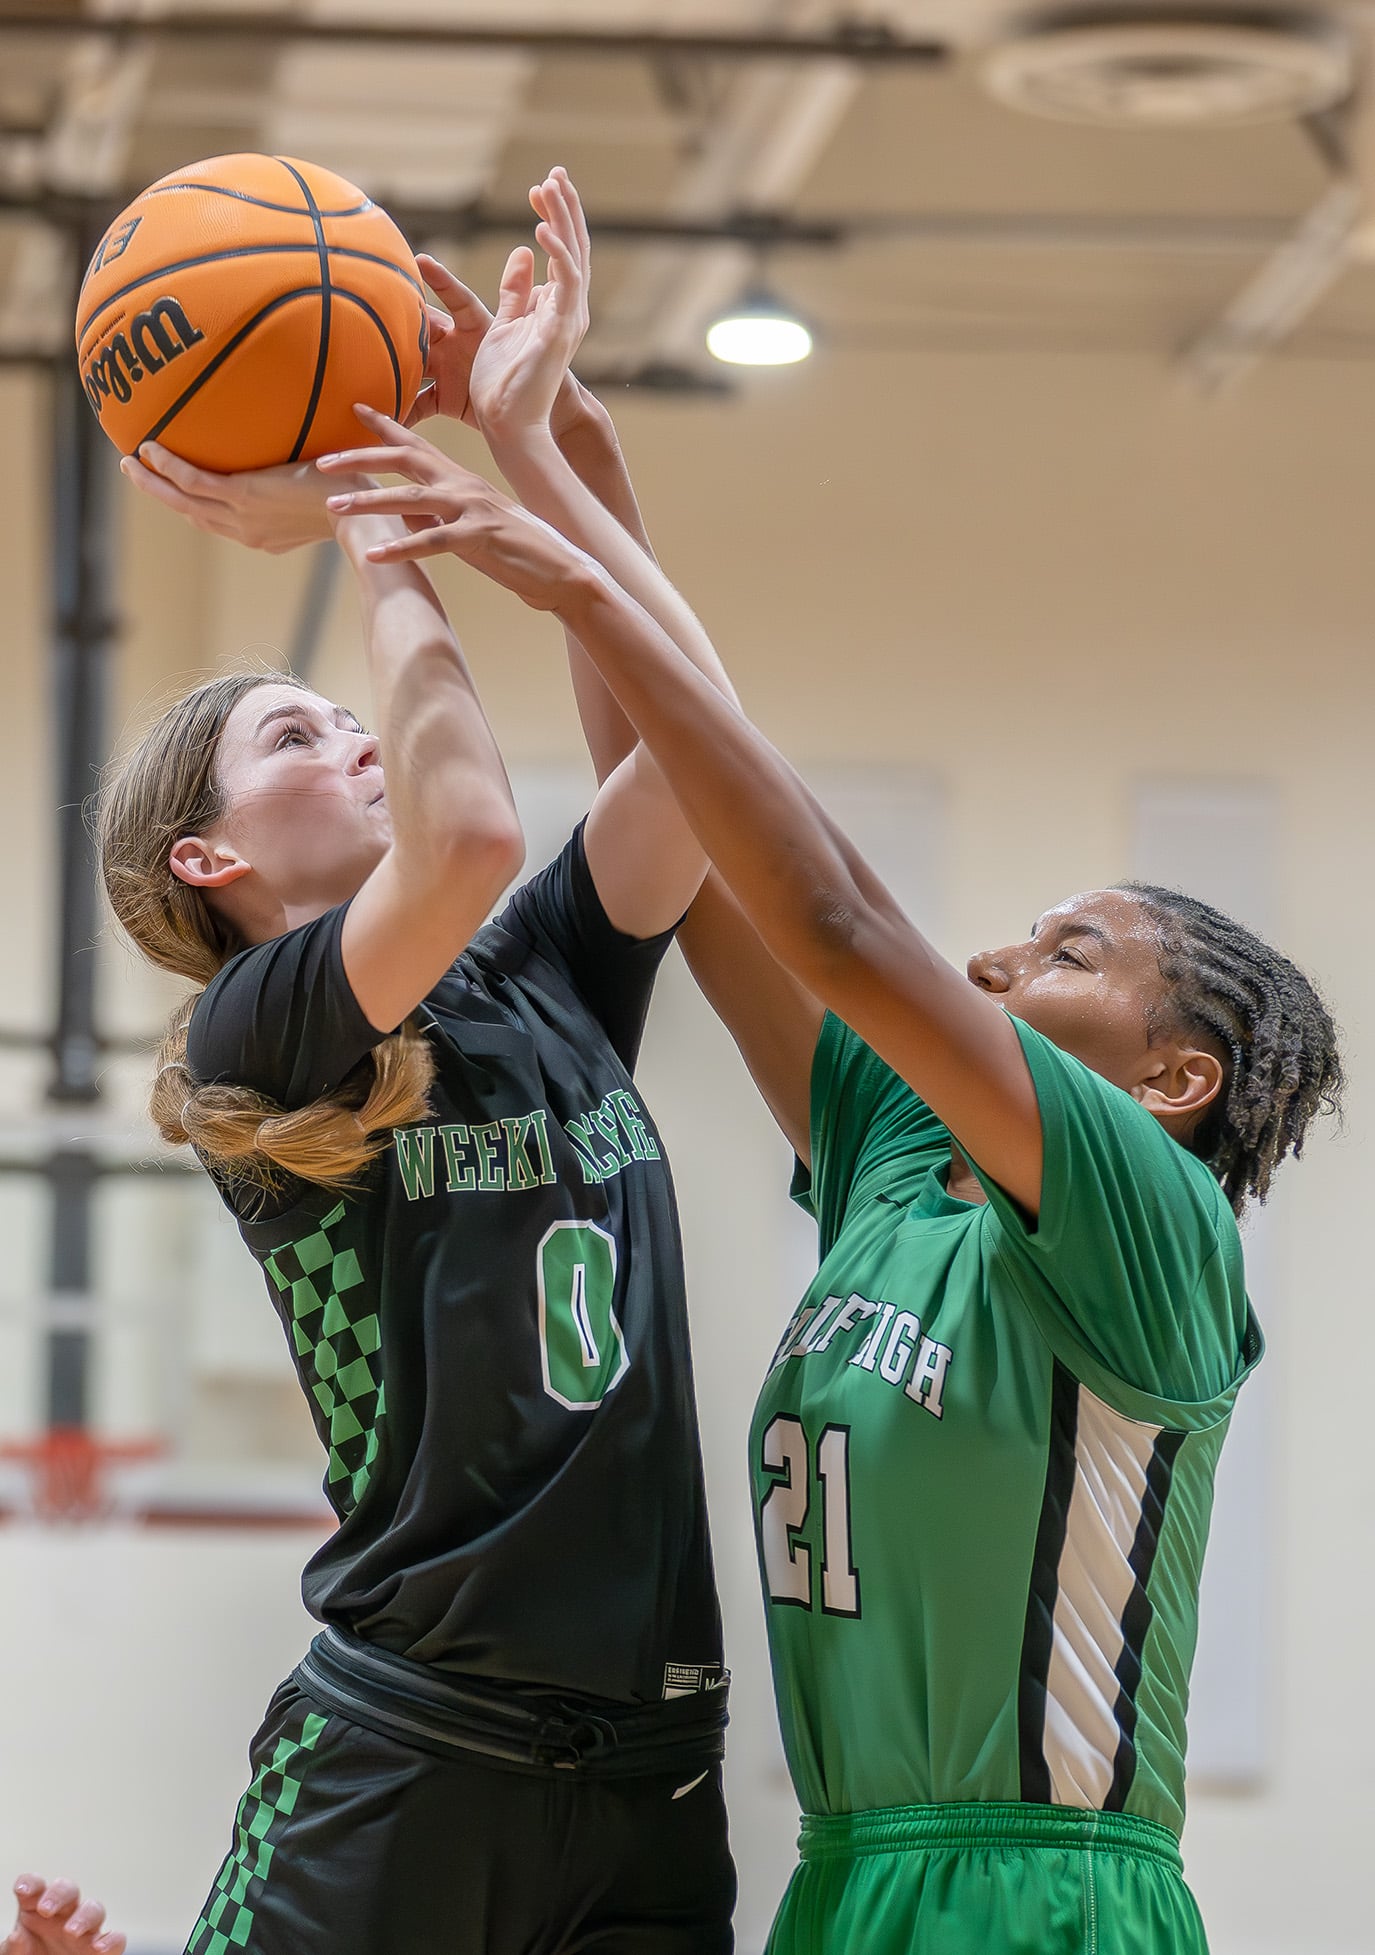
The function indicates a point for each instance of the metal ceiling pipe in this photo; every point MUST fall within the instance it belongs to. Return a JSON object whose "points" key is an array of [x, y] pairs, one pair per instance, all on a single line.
{"points": [[774, 231], [874, 45]]}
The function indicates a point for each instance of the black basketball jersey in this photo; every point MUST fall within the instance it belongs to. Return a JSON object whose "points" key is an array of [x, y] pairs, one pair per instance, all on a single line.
{"points": [[492, 1331]]}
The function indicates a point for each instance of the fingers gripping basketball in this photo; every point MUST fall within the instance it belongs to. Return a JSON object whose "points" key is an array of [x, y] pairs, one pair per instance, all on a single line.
{"points": [[239, 307]]}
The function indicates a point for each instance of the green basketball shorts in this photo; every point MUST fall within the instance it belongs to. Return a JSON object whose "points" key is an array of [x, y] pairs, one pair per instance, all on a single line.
{"points": [[987, 1880]]}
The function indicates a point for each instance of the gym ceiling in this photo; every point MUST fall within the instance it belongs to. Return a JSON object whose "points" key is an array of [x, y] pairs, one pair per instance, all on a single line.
{"points": [[1196, 183]]}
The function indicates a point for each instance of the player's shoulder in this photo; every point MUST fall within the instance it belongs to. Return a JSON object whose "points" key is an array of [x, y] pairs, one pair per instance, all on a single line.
{"points": [[264, 980]]}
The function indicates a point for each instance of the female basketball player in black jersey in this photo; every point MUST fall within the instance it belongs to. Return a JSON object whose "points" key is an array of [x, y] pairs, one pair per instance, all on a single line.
{"points": [[507, 1738]]}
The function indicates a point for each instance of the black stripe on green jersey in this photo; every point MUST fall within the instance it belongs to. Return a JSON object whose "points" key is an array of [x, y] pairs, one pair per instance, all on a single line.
{"points": [[1038, 1637], [1136, 1620], [1107, 1485]]}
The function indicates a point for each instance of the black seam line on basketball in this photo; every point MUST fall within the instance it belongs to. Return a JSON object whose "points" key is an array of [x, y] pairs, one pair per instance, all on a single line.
{"points": [[1139, 1613], [1038, 1633], [380, 323], [245, 251], [326, 310], [188, 393], [244, 197]]}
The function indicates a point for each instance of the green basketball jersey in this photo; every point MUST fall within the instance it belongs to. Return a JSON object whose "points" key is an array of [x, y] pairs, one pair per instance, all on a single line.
{"points": [[983, 1458]]}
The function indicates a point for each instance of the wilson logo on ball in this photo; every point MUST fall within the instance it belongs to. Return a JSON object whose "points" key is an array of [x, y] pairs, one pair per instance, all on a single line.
{"points": [[114, 373]]}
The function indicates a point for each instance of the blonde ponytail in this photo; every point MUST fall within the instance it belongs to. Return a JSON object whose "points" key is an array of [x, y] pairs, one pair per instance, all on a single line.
{"points": [[245, 1135]]}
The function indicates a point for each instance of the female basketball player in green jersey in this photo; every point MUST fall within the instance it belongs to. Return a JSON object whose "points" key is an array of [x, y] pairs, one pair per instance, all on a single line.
{"points": [[983, 1457]]}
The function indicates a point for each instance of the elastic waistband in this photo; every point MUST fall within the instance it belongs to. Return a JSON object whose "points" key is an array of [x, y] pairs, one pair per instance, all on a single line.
{"points": [[533, 1731], [900, 1829]]}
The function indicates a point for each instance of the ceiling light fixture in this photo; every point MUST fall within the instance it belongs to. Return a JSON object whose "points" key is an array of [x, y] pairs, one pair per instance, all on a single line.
{"points": [[1166, 67], [759, 331]]}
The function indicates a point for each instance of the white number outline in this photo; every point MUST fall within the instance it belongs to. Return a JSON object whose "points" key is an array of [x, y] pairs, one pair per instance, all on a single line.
{"points": [[835, 1523], [787, 1561], [582, 1325]]}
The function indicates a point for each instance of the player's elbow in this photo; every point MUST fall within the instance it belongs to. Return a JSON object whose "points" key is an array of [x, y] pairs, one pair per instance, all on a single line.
{"points": [[481, 847], [491, 845], [845, 940], [823, 935]]}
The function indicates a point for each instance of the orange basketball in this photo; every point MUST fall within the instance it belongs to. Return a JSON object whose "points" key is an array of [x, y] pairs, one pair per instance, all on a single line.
{"points": [[239, 307]]}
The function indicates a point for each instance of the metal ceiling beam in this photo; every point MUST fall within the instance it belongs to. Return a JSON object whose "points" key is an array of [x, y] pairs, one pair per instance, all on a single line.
{"points": [[1281, 294], [464, 222], [871, 43], [774, 231]]}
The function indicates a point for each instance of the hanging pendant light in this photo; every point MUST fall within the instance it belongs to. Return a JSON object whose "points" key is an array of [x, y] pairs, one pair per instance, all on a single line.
{"points": [[759, 331]]}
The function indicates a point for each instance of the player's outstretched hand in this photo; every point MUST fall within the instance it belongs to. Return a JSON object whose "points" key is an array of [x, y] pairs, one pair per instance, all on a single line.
{"points": [[54, 1920], [272, 509], [450, 511], [521, 365], [455, 336]]}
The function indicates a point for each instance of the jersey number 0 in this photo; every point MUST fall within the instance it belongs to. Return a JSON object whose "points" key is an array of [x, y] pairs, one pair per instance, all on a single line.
{"points": [[582, 1349]]}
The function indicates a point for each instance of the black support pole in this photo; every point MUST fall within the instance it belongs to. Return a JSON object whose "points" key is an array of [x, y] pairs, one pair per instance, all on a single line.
{"points": [[72, 1181], [84, 471]]}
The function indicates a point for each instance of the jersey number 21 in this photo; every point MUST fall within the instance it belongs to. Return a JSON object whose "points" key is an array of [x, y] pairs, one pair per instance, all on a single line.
{"points": [[783, 1512]]}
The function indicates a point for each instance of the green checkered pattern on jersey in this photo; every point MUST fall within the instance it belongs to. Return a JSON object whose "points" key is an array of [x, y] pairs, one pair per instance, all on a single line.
{"points": [[228, 1919], [337, 1354]]}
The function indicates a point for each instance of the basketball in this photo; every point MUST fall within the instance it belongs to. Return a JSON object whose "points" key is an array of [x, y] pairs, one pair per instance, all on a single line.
{"points": [[237, 309]]}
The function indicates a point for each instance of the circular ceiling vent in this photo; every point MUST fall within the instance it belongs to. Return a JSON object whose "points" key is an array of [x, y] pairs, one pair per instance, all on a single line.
{"points": [[1169, 72]]}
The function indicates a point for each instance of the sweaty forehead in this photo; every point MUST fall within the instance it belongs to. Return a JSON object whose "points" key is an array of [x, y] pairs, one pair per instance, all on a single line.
{"points": [[1115, 914]]}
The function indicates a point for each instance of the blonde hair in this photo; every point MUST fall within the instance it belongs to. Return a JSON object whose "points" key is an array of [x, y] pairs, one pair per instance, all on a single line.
{"points": [[167, 786]]}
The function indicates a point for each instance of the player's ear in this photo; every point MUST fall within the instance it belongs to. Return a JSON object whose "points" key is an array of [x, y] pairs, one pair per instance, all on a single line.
{"points": [[205, 865], [1183, 1083]]}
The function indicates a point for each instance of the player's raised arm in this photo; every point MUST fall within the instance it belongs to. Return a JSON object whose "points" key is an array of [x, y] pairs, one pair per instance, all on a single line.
{"points": [[455, 835], [646, 862], [511, 376], [578, 423], [644, 859], [566, 463], [452, 837], [819, 909]]}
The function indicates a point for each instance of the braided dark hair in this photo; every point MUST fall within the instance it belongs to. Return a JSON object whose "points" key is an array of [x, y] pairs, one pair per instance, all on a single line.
{"points": [[1279, 1044]]}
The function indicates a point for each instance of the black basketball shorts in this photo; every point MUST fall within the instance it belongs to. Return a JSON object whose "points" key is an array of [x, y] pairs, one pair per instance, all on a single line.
{"points": [[351, 1842]]}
